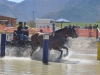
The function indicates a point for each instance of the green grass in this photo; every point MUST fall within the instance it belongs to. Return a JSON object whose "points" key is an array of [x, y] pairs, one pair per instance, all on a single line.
{"points": [[78, 24]]}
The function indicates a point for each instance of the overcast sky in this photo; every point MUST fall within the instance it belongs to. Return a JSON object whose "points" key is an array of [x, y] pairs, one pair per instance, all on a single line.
{"points": [[18, 1]]}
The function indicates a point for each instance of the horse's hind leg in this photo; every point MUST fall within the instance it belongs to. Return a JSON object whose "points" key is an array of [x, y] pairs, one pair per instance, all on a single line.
{"points": [[32, 50], [66, 50]]}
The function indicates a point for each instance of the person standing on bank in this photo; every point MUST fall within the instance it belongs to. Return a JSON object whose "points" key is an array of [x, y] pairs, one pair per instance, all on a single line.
{"points": [[90, 28]]}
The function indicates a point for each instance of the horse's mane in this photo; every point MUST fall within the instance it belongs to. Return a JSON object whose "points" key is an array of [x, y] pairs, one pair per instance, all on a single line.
{"points": [[57, 31], [60, 30]]}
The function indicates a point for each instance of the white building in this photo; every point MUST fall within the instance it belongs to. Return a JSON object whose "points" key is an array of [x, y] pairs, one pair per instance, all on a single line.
{"points": [[44, 23]]}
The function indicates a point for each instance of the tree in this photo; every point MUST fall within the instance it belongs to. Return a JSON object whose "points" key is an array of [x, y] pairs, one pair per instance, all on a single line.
{"points": [[31, 24]]}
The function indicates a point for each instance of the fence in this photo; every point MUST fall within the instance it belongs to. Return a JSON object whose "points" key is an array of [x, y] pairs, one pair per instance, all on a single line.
{"points": [[80, 32], [44, 29], [86, 32]]}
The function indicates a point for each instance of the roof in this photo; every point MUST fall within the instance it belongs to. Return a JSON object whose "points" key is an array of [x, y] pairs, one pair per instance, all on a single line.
{"points": [[62, 20], [5, 17]]}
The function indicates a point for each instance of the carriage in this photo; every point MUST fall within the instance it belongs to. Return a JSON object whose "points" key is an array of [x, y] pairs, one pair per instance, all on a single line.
{"points": [[56, 41], [14, 39]]}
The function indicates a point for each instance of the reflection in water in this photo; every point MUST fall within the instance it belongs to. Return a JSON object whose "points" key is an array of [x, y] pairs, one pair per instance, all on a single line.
{"points": [[80, 61], [28, 67], [98, 68]]}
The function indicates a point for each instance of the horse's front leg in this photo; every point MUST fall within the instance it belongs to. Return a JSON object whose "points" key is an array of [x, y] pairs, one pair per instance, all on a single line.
{"points": [[66, 50], [32, 51], [60, 54]]}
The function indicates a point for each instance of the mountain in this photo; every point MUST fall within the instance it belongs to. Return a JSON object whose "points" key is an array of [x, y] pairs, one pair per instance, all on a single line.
{"points": [[9, 3], [78, 11], [32, 9], [6, 8], [73, 10], [29, 9]]}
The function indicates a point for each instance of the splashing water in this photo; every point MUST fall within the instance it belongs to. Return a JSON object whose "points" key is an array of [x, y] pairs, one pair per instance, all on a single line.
{"points": [[18, 51], [53, 55], [25, 52], [81, 50], [76, 46]]}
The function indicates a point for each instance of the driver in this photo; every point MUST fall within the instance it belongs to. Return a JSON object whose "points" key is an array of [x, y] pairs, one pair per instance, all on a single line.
{"points": [[21, 30]]}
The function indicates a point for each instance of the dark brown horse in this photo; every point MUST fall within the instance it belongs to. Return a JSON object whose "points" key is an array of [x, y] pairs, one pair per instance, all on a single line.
{"points": [[56, 42]]}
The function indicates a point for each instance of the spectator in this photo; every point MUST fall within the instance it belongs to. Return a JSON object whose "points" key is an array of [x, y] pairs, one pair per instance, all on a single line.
{"points": [[9, 25], [73, 26], [70, 26], [95, 26], [41, 30], [77, 26], [90, 27], [86, 26]]}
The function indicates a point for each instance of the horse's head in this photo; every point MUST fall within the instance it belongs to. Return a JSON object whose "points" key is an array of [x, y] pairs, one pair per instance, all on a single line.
{"points": [[67, 32], [71, 32], [74, 33], [62, 32]]}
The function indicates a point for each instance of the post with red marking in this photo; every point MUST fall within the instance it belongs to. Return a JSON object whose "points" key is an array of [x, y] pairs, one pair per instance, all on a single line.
{"points": [[3, 40], [45, 48]]}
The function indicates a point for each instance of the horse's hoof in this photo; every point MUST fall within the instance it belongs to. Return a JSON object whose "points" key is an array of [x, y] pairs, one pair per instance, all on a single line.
{"points": [[58, 59], [31, 54], [65, 55]]}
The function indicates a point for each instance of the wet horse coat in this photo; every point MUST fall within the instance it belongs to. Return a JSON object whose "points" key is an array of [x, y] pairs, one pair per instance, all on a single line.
{"points": [[55, 42]]}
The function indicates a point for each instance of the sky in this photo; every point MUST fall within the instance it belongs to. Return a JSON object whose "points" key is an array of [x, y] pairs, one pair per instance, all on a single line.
{"points": [[17, 1]]}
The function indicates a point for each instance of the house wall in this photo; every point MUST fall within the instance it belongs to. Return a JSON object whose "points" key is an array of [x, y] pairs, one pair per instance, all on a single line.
{"points": [[12, 22], [44, 23], [8, 20]]}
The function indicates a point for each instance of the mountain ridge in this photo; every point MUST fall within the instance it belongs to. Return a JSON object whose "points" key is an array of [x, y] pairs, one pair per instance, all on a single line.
{"points": [[73, 10], [78, 11]]}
